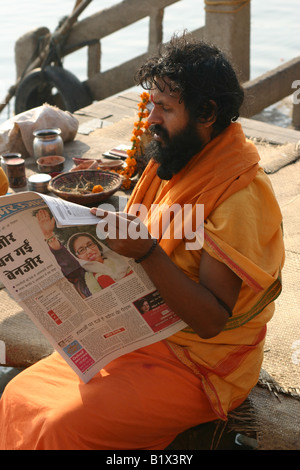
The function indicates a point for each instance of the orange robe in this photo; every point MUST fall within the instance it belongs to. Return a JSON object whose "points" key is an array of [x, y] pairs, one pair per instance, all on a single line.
{"points": [[3, 183], [144, 399]]}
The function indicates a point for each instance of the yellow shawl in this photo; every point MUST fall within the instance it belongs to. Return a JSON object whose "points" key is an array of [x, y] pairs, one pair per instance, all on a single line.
{"points": [[242, 228]]}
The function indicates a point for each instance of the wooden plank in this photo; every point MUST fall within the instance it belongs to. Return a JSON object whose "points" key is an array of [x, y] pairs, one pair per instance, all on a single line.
{"points": [[124, 105], [269, 132], [112, 111], [269, 88], [113, 19]]}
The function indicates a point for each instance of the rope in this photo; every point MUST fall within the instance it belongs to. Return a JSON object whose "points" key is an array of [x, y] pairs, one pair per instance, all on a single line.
{"points": [[218, 3]]}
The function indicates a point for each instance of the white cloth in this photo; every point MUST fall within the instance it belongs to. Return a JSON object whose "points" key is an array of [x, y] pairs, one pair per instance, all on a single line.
{"points": [[16, 134]]}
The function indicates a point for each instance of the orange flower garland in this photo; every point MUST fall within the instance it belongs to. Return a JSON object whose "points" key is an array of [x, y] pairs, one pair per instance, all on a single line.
{"points": [[138, 130]]}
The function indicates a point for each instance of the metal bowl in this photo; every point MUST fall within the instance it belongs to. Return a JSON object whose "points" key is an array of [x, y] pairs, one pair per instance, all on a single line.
{"points": [[69, 185]]}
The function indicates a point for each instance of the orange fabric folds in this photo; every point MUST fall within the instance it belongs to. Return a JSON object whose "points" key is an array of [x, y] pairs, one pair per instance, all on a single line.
{"points": [[142, 400], [226, 165], [3, 183], [242, 228]]}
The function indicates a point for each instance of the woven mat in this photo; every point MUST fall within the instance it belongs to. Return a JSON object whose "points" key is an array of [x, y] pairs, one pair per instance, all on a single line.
{"points": [[275, 157], [24, 343], [282, 350], [270, 415]]}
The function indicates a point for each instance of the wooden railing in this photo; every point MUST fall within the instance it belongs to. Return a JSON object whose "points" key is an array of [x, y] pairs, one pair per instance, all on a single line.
{"points": [[108, 21], [272, 87], [230, 31]]}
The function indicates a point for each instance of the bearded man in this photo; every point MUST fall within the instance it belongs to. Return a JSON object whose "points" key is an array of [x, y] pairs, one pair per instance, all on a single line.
{"points": [[224, 290]]}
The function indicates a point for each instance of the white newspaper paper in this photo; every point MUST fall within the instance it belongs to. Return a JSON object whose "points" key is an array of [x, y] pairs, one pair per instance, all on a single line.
{"points": [[90, 315]]}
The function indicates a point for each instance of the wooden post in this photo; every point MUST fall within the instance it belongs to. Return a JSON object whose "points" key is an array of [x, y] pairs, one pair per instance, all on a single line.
{"points": [[296, 116], [94, 59], [227, 25], [155, 30]]}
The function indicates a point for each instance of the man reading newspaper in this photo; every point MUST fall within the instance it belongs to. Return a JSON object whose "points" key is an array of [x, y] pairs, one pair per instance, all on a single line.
{"points": [[223, 290]]}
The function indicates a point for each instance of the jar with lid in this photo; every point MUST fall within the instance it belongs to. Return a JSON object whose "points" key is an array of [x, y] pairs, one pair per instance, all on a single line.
{"points": [[47, 142], [5, 157], [15, 168]]}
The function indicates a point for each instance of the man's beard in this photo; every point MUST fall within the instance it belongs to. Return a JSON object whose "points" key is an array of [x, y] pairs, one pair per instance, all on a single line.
{"points": [[175, 152]]}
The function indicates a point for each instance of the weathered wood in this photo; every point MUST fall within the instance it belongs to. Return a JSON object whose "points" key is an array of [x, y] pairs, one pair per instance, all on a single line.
{"points": [[155, 30], [268, 132], [296, 114], [270, 87], [94, 59], [115, 80], [58, 35], [113, 19]]}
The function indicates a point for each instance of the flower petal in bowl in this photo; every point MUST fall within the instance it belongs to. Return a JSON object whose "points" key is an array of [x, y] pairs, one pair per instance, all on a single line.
{"points": [[76, 186]]}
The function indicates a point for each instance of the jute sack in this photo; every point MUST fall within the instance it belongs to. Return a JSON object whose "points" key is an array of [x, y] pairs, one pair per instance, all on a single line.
{"points": [[16, 134]]}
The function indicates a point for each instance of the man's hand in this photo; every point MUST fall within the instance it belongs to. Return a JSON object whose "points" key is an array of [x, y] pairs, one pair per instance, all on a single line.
{"points": [[202, 305], [125, 233]]}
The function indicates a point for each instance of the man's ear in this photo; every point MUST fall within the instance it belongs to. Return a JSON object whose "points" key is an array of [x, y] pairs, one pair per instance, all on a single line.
{"points": [[211, 111]]}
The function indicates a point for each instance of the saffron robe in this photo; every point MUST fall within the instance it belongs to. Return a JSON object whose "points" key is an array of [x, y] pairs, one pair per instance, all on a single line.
{"points": [[3, 183], [144, 399]]}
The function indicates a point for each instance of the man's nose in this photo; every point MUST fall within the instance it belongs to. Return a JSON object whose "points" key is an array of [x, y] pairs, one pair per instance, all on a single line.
{"points": [[154, 116]]}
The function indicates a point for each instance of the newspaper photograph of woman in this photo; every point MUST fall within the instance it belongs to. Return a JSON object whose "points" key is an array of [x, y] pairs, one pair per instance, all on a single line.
{"points": [[155, 311], [85, 261]]}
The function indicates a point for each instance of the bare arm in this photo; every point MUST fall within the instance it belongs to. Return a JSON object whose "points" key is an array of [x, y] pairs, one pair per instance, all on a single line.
{"points": [[198, 304]]}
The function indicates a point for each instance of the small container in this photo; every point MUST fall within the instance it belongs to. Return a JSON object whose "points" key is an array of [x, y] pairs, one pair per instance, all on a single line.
{"points": [[15, 168], [50, 164], [7, 156], [39, 182], [47, 142]]}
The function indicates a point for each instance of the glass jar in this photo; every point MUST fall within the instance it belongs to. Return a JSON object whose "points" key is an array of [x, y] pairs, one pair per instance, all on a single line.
{"points": [[47, 142]]}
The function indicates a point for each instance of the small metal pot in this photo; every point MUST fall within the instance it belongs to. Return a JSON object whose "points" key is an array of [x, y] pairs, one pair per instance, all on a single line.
{"points": [[47, 142], [39, 182], [5, 157]]}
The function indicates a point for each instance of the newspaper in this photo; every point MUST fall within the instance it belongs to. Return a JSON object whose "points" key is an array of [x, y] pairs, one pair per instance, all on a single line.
{"points": [[90, 312]]}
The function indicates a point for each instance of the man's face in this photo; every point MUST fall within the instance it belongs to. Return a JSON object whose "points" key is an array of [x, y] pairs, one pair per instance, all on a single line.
{"points": [[176, 137]]}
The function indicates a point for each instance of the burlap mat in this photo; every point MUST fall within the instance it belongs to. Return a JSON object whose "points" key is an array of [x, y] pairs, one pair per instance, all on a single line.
{"points": [[275, 157], [282, 355], [24, 343]]}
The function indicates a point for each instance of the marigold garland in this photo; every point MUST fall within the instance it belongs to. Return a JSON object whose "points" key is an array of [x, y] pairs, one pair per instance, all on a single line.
{"points": [[138, 130]]}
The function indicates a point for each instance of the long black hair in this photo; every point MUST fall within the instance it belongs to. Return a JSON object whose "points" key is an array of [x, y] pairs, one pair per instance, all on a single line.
{"points": [[202, 75]]}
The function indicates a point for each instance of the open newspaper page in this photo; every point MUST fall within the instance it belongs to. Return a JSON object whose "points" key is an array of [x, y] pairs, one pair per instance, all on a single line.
{"points": [[91, 311]]}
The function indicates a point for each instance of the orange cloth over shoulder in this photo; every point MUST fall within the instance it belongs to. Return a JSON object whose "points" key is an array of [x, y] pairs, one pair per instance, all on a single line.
{"points": [[3, 183], [226, 164], [238, 199]]}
